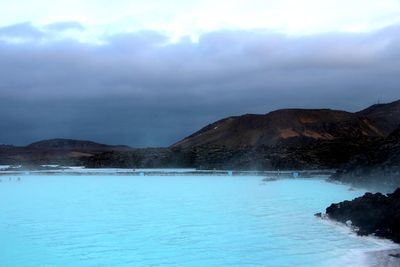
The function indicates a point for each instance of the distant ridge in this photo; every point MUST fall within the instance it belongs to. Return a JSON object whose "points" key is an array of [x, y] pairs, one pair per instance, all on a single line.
{"points": [[60, 143], [56, 151]]}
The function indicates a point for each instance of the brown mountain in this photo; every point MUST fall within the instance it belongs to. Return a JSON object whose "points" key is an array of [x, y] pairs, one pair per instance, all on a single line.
{"points": [[256, 130], [290, 138]]}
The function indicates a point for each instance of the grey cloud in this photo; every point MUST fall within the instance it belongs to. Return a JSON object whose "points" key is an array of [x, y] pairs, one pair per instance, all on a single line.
{"points": [[140, 90], [21, 30]]}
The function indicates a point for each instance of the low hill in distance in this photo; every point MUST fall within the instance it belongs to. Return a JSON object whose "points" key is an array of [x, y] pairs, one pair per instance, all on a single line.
{"points": [[55, 151], [71, 144]]}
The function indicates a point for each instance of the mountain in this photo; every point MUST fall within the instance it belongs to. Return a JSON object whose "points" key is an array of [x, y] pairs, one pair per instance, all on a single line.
{"points": [[290, 138], [256, 130], [317, 124]]}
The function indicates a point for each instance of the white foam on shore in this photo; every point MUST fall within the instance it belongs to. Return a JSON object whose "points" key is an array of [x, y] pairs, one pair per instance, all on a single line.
{"points": [[372, 257], [368, 258], [383, 258]]}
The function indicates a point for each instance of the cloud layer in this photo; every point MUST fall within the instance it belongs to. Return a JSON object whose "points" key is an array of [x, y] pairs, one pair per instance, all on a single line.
{"points": [[140, 89]]}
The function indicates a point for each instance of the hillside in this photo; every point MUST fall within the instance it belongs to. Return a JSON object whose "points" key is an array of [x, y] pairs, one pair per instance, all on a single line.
{"points": [[290, 138], [378, 166], [385, 116], [269, 129]]}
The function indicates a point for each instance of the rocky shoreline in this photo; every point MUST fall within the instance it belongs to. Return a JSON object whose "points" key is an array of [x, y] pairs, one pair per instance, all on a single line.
{"points": [[371, 214]]}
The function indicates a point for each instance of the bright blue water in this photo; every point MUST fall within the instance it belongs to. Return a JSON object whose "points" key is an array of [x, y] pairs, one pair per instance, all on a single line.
{"points": [[171, 221]]}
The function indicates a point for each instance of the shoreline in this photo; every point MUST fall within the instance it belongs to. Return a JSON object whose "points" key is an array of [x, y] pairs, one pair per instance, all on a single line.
{"points": [[383, 258], [171, 172], [374, 257], [386, 256]]}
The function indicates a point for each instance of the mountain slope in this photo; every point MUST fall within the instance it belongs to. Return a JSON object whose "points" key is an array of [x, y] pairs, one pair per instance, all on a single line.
{"points": [[289, 138], [385, 116], [269, 129]]}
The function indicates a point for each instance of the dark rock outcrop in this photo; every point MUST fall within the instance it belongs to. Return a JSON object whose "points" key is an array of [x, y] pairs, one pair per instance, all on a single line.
{"points": [[377, 167], [375, 214]]}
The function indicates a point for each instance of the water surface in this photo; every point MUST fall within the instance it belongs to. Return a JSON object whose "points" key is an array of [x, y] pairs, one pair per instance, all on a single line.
{"points": [[172, 221]]}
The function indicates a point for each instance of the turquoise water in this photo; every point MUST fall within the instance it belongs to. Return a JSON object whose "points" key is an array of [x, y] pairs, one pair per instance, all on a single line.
{"points": [[172, 221]]}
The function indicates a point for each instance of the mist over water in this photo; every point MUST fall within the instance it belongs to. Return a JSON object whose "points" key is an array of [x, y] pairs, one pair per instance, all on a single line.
{"points": [[173, 221]]}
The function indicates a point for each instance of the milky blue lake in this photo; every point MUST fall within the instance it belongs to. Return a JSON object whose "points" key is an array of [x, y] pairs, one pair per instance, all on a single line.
{"points": [[173, 221]]}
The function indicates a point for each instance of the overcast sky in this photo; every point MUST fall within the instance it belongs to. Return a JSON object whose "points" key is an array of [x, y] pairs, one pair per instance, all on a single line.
{"points": [[148, 73]]}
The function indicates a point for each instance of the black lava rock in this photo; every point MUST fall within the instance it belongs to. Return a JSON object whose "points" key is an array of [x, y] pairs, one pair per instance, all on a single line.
{"points": [[375, 214]]}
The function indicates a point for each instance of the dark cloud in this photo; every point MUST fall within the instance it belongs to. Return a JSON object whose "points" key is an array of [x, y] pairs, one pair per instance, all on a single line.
{"points": [[141, 90]]}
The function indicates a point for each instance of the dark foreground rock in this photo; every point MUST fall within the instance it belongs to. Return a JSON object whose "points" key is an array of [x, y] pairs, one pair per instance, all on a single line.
{"points": [[375, 214]]}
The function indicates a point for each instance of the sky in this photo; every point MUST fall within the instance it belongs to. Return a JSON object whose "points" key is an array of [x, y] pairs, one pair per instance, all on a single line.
{"points": [[148, 73]]}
